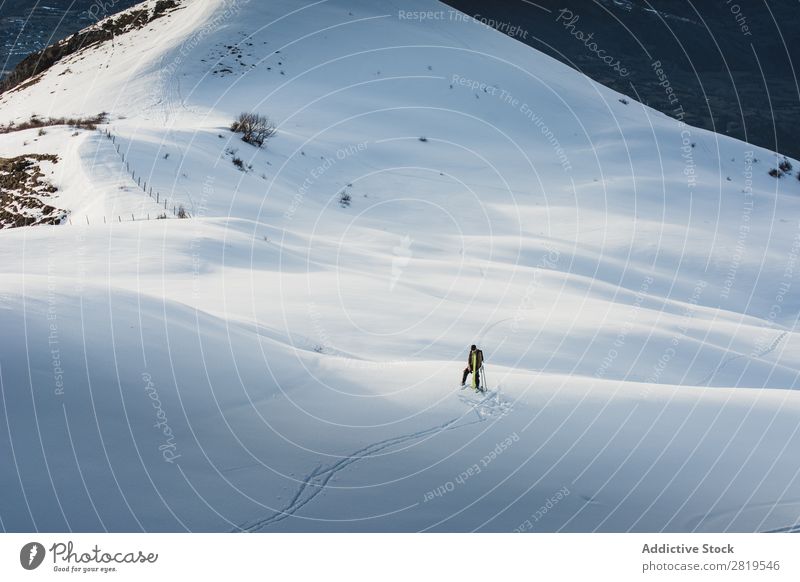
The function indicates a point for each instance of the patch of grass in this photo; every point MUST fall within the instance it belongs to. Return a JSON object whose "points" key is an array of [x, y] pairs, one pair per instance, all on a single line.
{"points": [[22, 189], [162, 6], [36, 121]]}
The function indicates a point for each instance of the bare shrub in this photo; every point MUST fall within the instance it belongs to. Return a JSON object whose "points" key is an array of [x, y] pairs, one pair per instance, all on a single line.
{"points": [[255, 128]]}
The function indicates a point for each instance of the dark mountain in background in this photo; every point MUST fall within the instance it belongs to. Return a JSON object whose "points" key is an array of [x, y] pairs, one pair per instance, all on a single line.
{"points": [[724, 65], [27, 26], [728, 64]]}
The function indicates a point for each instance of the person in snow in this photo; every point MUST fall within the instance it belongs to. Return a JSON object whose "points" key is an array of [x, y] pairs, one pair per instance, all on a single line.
{"points": [[474, 364]]}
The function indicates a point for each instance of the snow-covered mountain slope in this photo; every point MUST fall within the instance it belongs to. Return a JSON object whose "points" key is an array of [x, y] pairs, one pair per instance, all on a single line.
{"points": [[285, 361]]}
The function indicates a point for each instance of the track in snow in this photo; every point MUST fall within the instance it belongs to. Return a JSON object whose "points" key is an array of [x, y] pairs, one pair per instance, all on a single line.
{"points": [[756, 354], [314, 483]]}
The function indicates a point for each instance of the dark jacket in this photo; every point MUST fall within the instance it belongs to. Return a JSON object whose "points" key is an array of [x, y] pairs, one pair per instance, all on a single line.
{"points": [[478, 359]]}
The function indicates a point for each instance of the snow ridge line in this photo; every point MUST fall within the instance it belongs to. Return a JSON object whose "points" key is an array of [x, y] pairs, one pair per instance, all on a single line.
{"points": [[756, 354], [314, 483], [788, 529]]}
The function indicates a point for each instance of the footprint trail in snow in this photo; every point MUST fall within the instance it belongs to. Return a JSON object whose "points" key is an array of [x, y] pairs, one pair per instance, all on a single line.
{"points": [[487, 406]]}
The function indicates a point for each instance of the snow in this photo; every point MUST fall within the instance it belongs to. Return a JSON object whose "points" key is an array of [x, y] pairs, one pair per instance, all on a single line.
{"points": [[282, 363]]}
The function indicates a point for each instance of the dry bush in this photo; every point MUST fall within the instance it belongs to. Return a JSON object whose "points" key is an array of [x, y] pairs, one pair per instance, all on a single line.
{"points": [[255, 128]]}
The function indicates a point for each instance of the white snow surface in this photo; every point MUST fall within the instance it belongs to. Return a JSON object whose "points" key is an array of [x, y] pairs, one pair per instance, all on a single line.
{"points": [[281, 362]]}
